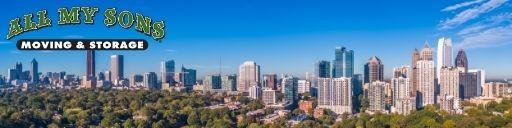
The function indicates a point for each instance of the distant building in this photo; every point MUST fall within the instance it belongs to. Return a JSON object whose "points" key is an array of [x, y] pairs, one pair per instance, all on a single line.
{"points": [[373, 70], [248, 74], [343, 63], [469, 83], [290, 90], [444, 55], [34, 73], [449, 82], [414, 75], [136, 80], [304, 86], [480, 79], [150, 80], [190, 76], [306, 106], [212, 83], [255, 92], [117, 68], [229, 82], [450, 104], [335, 94], [426, 77], [376, 97], [167, 70], [269, 96], [270, 81], [461, 61], [497, 89], [323, 69]]}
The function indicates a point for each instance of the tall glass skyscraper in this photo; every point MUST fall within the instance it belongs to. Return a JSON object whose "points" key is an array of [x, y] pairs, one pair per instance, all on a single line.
{"points": [[343, 63], [322, 69]]}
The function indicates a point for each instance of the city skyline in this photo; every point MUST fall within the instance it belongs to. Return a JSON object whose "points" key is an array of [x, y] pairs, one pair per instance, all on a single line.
{"points": [[308, 38]]}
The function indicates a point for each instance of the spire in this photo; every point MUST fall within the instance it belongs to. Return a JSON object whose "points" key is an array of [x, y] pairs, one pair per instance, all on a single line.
{"points": [[426, 45]]}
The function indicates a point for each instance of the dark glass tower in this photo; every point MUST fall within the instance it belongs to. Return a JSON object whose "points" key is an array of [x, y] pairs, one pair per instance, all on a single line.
{"points": [[343, 64], [461, 60], [91, 64]]}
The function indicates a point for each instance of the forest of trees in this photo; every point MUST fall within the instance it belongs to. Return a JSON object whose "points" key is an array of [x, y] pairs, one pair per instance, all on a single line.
{"points": [[128, 108]]}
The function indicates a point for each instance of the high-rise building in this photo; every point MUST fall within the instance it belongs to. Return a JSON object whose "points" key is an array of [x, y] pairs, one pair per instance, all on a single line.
{"points": [[108, 76], [449, 82], [323, 69], [255, 92], [290, 90], [117, 68], [166, 71], [212, 83], [461, 61], [189, 77], [414, 75], [376, 97], [469, 83], [150, 80], [480, 79], [401, 88], [89, 80], [269, 96], [270, 81], [426, 77], [229, 82], [136, 80], [404, 71], [444, 55], [343, 63], [34, 73], [450, 104], [101, 76], [335, 94], [373, 70], [248, 74], [304, 86], [91, 63]]}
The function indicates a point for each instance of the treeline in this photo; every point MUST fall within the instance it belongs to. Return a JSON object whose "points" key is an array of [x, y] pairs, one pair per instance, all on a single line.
{"points": [[161, 109]]}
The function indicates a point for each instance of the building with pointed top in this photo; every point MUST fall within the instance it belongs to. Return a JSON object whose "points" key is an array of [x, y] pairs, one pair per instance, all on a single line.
{"points": [[444, 55], [373, 70], [461, 61]]}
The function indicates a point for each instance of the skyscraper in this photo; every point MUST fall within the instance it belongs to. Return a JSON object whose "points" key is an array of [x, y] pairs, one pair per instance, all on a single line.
{"points": [[229, 82], [404, 71], [373, 70], [414, 75], [166, 71], [91, 63], [150, 80], [323, 69], [270, 81], [117, 68], [461, 61], [401, 84], [343, 63], [190, 76], [212, 83], [335, 94], [34, 74], [248, 74], [426, 77], [304, 86], [449, 82], [269, 96], [290, 90], [376, 96], [444, 55], [480, 79]]}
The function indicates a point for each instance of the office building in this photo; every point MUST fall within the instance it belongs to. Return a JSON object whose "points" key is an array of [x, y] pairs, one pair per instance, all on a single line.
{"points": [[150, 80], [449, 82], [255, 92], [117, 68], [212, 83], [167, 71], [270, 81], [444, 55], [461, 61], [290, 90], [304, 86], [269, 96], [373, 70], [190, 76], [376, 97], [335, 94], [248, 74], [480, 79], [425, 77], [229, 82], [343, 63], [34, 73], [323, 69]]}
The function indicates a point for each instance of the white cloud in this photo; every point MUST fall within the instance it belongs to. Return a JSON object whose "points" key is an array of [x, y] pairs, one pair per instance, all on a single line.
{"points": [[471, 13], [494, 21], [492, 37], [461, 5]]}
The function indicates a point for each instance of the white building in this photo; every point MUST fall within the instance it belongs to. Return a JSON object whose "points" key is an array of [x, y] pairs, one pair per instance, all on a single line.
{"points": [[377, 97], [269, 96], [248, 74], [444, 55], [304, 86], [255, 92], [425, 77], [450, 82], [335, 94]]}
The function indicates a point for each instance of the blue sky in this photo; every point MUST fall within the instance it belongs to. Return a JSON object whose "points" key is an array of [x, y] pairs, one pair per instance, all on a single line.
{"points": [[286, 36]]}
